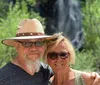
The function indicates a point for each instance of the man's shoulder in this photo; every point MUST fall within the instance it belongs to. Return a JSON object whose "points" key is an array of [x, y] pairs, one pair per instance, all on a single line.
{"points": [[45, 66], [46, 70], [4, 73], [6, 66], [6, 70]]}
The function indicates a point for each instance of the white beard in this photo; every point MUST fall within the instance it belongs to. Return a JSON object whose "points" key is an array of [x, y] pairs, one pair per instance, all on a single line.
{"points": [[33, 65]]}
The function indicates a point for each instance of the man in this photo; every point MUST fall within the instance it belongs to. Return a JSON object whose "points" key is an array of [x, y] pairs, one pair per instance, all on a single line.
{"points": [[30, 44], [26, 69]]}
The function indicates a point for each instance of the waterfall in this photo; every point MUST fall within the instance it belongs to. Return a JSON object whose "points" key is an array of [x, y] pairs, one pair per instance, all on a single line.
{"points": [[70, 21], [63, 16]]}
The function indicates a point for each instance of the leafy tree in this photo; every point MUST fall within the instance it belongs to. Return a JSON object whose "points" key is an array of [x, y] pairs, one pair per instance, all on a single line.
{"points": [[91, 23], [3, 8], [89, 58], [85, 61], [91, 29]]}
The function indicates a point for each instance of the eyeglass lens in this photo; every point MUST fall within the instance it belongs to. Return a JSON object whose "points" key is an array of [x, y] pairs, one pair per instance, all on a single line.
{"points": [[54, 55], [29, 44]]}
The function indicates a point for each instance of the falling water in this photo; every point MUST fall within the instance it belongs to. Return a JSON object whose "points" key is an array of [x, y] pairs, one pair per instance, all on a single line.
{"points": [[63, 16], [69, 21]]}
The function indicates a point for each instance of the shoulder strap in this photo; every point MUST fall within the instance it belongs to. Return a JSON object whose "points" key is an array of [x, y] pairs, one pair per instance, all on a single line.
{"points": [[78, 78]]}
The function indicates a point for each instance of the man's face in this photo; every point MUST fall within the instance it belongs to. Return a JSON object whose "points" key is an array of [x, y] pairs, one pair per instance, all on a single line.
{"points": [[30, 50]]}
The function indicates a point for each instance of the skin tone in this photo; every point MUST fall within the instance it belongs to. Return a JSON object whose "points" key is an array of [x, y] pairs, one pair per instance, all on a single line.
{"points": [[28, 60], [59, 64], [28, 57], [64, 75], [61, 69]]}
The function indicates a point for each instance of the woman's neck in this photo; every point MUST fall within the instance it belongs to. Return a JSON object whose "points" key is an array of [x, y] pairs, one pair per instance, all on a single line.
{"points": [[63, 77]]}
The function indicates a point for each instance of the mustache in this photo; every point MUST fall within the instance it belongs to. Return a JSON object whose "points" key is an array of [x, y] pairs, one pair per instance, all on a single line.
{"points": [[32, 52]]}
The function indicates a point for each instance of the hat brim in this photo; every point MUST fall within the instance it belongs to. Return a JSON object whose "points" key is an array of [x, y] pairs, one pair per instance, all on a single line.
{"points": [[10, 41]]}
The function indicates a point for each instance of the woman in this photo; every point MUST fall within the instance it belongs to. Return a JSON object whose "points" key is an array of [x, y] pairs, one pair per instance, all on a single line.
{"points": [[59, 55]]}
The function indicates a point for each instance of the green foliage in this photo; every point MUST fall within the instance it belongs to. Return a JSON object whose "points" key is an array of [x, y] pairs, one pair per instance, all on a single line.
{"points": [[92, 24], [3, 8], [85, 61], [9, 24], [92, 31], [8, 27], [88, 59]]}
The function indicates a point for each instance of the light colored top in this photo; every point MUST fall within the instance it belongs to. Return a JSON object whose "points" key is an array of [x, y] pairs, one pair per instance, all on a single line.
{"points": [[78, 78]]}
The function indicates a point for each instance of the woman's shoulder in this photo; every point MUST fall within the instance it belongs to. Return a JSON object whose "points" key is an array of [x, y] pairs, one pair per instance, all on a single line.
{"points": [[78, 78], [85, 77]]}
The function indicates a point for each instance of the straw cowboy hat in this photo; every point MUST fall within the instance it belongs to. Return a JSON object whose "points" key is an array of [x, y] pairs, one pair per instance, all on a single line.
{"points": [[28, 29]]}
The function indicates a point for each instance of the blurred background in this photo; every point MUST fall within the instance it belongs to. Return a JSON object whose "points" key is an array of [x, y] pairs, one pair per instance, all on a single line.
{"points": [[79, 20]]}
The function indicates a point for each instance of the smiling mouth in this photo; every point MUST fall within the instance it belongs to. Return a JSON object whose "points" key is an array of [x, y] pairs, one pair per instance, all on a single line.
{"points": [[58, 64]]}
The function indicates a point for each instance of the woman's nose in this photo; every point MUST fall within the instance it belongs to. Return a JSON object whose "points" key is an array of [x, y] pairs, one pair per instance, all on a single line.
{"points": [[59, 58]]}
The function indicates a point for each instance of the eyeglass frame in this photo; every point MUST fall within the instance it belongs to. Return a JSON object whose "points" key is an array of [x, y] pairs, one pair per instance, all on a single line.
{"points": [[62, 55], [32, 43]]}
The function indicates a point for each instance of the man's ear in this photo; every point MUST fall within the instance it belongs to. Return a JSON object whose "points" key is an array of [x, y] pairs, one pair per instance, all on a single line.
{"points": [[15, 44]]}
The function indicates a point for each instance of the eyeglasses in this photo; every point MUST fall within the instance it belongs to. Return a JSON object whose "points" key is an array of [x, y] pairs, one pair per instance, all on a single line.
{"points": [[29, 44], [54, 55]]}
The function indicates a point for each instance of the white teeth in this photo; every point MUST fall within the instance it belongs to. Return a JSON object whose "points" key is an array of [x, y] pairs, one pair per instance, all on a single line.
{"points": [[58, 64]]}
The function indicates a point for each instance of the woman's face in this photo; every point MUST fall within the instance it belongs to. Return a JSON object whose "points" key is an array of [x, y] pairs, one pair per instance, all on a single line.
{"points": [[59, 58]]}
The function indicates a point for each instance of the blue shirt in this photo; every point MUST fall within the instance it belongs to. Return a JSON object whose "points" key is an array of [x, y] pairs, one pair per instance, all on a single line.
{"points": [[11, 74]]}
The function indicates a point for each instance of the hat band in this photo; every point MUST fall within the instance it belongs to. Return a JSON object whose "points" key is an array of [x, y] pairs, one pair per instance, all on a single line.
{"points": [[28, 34]]}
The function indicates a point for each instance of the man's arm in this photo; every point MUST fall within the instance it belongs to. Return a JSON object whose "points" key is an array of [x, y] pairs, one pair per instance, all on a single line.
{"points": [[96, 76]]}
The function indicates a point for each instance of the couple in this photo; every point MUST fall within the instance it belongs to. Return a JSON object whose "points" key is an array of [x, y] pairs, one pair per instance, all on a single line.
{"points": [[32, 44]]}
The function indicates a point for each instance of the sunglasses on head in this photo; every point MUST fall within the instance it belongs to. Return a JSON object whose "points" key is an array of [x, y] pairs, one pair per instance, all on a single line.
{"points": [[29, 44], [55, 55]]}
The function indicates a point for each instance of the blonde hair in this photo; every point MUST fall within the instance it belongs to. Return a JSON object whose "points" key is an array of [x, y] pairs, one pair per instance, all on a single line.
{"points": [[54, 44]]}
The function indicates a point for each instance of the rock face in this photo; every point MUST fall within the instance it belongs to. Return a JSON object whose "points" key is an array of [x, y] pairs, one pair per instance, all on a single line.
{"points": [[63, 16]]}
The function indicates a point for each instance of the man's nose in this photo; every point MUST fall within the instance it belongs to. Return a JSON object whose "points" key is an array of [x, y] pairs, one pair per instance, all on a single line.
{"points": [[33, 47]]}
